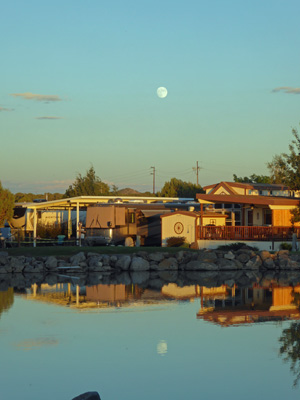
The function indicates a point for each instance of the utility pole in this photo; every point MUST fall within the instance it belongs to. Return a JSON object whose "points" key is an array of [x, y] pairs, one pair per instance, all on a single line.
{"points": [[153, 173], [197, 169]]}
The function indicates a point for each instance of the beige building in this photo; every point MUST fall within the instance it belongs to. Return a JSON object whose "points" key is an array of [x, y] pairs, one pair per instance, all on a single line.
{"points": [[186, 224]]}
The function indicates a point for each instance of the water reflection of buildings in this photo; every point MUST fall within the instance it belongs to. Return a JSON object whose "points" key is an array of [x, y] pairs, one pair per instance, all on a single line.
{"points": [[96, 296], [251, 305], [221, 305]]}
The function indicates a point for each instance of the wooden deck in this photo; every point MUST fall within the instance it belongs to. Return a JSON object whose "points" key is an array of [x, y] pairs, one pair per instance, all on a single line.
{"points": [[255, 233]]}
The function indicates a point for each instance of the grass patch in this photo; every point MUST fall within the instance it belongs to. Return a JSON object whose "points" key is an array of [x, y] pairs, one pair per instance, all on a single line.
{"points": [[71, 250]]}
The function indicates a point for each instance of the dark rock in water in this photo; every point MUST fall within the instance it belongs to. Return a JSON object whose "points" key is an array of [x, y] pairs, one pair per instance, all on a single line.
{"points": [[88, 396]]}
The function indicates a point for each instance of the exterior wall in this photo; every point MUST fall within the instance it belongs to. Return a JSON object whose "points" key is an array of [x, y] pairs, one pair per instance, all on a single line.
{"points": [[168, 224], [281, 218], [211, 220], [258, 217], [239, 190], [222, 190]]}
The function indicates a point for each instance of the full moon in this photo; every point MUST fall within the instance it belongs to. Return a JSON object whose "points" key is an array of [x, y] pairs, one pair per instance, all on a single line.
{"points": [[162, 92]]}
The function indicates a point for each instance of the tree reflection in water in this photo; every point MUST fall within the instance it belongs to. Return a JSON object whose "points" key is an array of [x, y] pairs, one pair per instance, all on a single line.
{"points": [[290, 344], [6, 300]]}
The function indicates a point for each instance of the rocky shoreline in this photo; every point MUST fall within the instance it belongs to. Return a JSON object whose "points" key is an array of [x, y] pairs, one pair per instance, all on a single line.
{"points": [[202, 260], [153, 270]]}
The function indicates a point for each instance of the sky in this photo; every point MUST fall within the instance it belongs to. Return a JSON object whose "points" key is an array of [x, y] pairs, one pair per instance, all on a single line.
{"points": [[78, 88]]}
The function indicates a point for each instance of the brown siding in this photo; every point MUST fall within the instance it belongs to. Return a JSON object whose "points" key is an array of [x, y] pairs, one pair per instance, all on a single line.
{"points": [[281, 218]]}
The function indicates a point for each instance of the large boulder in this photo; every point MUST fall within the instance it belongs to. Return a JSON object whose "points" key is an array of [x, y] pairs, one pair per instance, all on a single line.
{"points": [[77, 259], [51, 263], [123, 263], [17, 264], [94, 264], [254, 263], [208, 256], [3, 257], [196, 265], [168, 264], [139, 264], [228, 265], [157, 257]]}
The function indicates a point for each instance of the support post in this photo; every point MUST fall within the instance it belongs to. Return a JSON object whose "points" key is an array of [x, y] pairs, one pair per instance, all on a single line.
{"points": [[69, 223], [78, 233], [34, 227], [201, 220]]}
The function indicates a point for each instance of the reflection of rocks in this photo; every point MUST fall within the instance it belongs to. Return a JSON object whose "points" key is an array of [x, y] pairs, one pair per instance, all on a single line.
{"points": [[139, 277]]}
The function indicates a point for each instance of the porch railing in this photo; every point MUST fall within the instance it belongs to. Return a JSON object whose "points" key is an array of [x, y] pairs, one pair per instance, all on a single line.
{"points": [[267, 233]]}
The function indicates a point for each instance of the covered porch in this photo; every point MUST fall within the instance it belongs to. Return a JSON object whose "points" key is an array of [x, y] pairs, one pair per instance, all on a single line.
{"points": [[260, 218]]}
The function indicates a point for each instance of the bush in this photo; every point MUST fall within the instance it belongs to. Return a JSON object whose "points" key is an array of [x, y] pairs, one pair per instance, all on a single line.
{"points": [[176, 241], [50, 231], [236, 246], [286, 246]]}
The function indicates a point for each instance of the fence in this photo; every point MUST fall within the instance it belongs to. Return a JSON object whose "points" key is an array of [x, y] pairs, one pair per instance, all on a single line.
{"points": [[267, 233]]}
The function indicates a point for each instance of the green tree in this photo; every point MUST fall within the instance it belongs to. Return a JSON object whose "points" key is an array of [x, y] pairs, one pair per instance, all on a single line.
{"points": [[178, 188], [285, 168], [7, 202], [290, 349], [6, 300], [88, 185], [252, 179]]}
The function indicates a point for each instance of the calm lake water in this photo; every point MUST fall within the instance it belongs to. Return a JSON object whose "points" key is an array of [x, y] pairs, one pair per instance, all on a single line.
{"points": [[60, 337]]}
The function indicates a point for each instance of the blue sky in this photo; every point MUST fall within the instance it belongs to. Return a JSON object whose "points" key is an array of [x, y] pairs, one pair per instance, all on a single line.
{"points": [[79, 79]]}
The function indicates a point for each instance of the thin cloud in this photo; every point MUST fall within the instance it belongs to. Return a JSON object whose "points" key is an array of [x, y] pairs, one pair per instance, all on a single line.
{"points": [[287, 89], [37, 97], [6, 109], [47, 117]]}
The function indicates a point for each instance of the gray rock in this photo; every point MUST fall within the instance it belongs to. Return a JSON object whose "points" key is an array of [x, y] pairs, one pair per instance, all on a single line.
{"points": [[139, 264], [157, 257], [88, 396], [254, 263], [229, 256], [17, 264], [123, 263], [227, 265], [4, 269], [77, 258], [200, 266], [268, 263], [51, 263], [3, 257], [94, 264], [168, 263], [113, 260], [243, 257], [264, 255], [208, 256]]}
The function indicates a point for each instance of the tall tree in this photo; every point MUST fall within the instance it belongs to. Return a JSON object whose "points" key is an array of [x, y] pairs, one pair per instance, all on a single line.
{"points": [[7, 202], [88, 185], [285, 168], [252, 179], [178, 188]]}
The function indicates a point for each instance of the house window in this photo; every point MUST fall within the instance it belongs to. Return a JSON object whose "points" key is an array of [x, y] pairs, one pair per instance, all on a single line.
{"points": [[267, 217], [218, 206], [227, 206]]}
